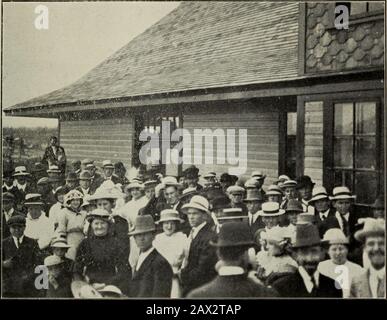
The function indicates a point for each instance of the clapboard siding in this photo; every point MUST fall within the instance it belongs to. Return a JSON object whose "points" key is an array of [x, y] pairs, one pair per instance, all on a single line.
{"points": [[313, 164], [98, 139], [262, 139]]}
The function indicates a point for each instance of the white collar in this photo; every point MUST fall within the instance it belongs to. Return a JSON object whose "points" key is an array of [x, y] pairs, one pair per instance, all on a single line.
{"points": [[325, 213], [16, 242], [308, 279], [8, 213], [230, 271], [254, 214], [8, 188], [346, 216], [142, 256], [21, 186]]}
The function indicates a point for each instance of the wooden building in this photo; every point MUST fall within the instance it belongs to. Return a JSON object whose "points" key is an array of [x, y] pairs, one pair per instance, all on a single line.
{"points": [[280, 70]]}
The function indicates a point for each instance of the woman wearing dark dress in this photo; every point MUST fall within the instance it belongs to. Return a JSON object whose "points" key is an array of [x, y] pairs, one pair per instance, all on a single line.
{"points": [[100, 259]]}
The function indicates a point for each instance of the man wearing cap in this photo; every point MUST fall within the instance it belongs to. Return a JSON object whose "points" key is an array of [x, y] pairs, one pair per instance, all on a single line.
{"points": [[307, 282], [55, 155], [108, 170], [19, 259], [259, 178], [290, 191], [254, 202], [305, 187], [236, 194], [22, 184], [84, 183], [152, 275], [53, 171], [8, 211], [372, 283], [199, 264], [191, 178], [232, 280]]}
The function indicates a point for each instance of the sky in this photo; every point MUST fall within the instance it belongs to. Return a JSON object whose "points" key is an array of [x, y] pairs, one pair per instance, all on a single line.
{"points": [[80, 35]]}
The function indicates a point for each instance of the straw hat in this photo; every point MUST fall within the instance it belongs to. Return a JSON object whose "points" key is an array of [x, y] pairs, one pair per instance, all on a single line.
{"points": [[111, 291], [318, 193], [170, 181], [197, 202], [335, 236], [33, 199], [105, 193], [143, 224], [231, 213], [59, 242], [38, 167], [289, 184], [21, 171], [235, 190], [53, 169], [372, 227], [86, 161], [169, 215], [107, 164], [342, 193], [271, 209]]}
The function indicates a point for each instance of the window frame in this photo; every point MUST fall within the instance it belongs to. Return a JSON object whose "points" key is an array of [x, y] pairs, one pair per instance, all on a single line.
{"points": [[328, 119]]}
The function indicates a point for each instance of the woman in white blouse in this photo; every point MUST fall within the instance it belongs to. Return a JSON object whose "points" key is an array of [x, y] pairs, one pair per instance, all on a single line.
{"points": [[171, 243]]}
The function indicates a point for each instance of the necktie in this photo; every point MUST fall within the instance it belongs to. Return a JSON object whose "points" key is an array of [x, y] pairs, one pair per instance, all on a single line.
{"points": [[18, 243], [186, 254], [380, 292], [345, 226], [250, 219]]}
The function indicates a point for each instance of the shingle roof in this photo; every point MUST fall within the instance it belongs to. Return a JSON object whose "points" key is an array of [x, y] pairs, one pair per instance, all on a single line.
{"points": [[198, 45]]}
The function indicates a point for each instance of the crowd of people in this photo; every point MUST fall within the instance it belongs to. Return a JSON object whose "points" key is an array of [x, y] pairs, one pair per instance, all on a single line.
{"points": [[100, 234]]}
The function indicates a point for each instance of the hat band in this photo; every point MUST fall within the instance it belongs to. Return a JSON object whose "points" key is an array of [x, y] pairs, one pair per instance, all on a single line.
{"points": [[342, 194], [320, 194], [270, 211]]}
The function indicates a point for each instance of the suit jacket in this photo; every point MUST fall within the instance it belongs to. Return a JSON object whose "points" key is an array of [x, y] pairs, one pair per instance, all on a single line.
{"points": [[202, 258], [4, 226], [96, 181], [114, 179], [292, 285], [230, 287], [360, 286], [59, 159], [154, 278], [18, 280], [257, 225]]}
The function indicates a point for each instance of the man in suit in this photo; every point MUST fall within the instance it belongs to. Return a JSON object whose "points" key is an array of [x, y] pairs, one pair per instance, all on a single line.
{"points": [[19, 259], [153, 274], [254, 200], [236, 194], [305, 188], [232, 280], [372, 283], [108, 169], [259, 179], [72, 181], [199, 264], [191, 178], [8, 212], [23, 186], [55, 155], [307, 282], [96, 178], [85, 183]]}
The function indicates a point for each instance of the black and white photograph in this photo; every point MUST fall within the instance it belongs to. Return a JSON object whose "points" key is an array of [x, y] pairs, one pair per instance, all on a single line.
{"points": [[193, 150]]}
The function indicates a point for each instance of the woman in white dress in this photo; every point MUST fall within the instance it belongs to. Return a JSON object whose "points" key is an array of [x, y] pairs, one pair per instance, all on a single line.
{"points": [[338, 267], [171, 243]]}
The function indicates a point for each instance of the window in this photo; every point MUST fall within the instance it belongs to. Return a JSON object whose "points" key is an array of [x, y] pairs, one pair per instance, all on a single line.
{"points": [[290, 155], [356, 148]]}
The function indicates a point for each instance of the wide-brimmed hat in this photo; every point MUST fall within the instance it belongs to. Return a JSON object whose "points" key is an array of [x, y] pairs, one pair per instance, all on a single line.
{"points": [[274, 190], [342, 193], [278, 235], [234, 234], [379, 203], [169, 215], [33, 199], [304, 181], [107, 164], [8, 196], [59, 242], [318, 193], [235, 190], [38, 167], [99, 213], [197, 202], [254, 195], [53, 260], [271, 209], [372, 227], [220, 203], [72, 176], [307, 235], [170, 181], [72, 195], [231, 213], [21, 171], [294, 206], [17, 220], [111, 291], [257, 174], [143, 224], [85, 175], [105, 193], [134, 185], [335, 236]]}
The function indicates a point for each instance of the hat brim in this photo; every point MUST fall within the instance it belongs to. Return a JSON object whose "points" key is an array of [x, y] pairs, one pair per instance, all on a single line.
{"points": [[16, 224], [66, 246], [259, 178], [134, 232], [342, 198], [317, 198], [277, 214], [308, 244], [361, 235], [169, 219], [232, 217], [253, 199], [193, 206], [33, 203], [21, 174]]}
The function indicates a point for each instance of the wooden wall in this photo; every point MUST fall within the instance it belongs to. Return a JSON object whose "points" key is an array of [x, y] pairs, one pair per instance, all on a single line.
{"points": [[262, 124], [98, 139]]}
